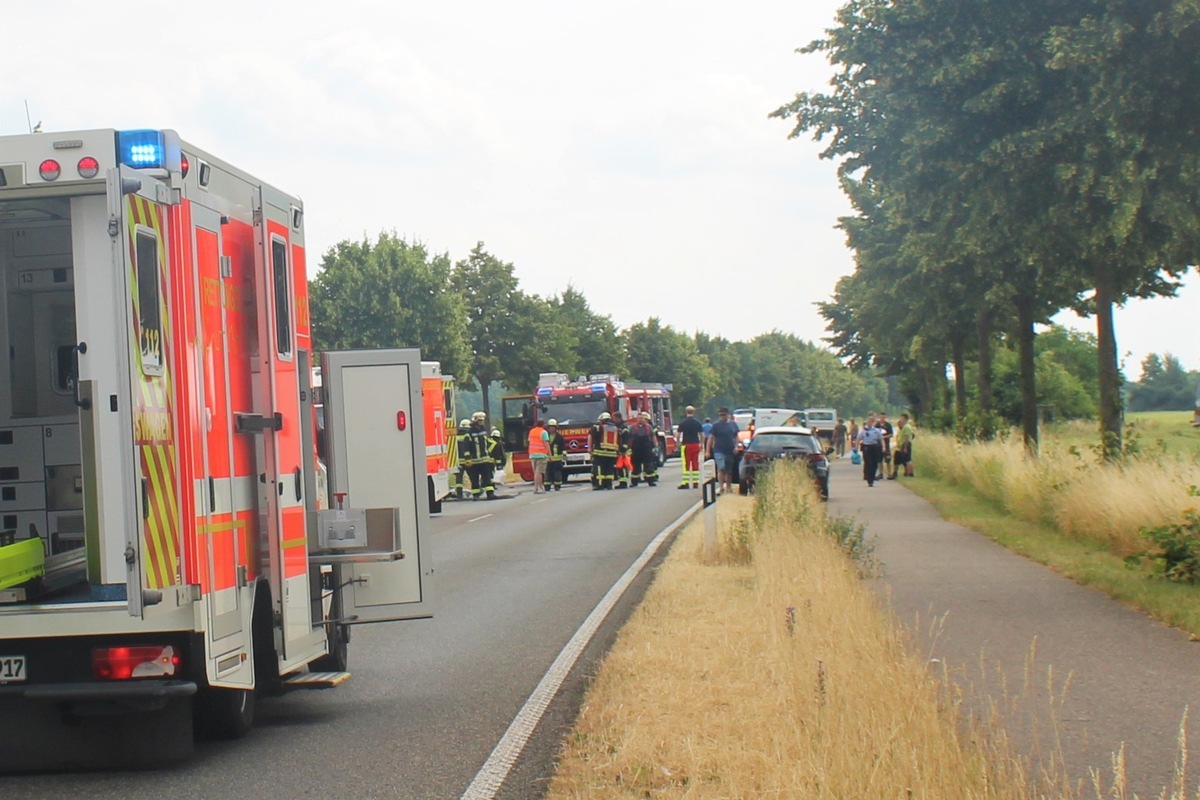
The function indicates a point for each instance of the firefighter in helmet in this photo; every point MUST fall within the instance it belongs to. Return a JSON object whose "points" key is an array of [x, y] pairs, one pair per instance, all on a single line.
{"points": [[641, 447], [606, 444], [623, 466], [496, 451], [556, 460], [464, 443], [480, 469]]}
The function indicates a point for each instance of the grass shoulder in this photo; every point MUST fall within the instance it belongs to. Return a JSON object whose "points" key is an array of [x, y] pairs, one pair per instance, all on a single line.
{"points": [[1086, 562]]}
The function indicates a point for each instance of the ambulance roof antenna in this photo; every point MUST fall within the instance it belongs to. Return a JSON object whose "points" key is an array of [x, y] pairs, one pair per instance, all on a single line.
{"points": [[29, 121]]}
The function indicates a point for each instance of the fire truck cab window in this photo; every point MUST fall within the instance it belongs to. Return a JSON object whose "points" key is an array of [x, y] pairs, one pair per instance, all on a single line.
{"points": [[149, 310], [283, 320]]}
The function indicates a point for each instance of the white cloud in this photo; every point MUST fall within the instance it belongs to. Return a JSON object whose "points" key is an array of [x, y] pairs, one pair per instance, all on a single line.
{"points": [[621, 147]]}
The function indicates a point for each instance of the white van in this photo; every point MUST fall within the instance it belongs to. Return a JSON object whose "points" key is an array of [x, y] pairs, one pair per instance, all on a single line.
{"points": [[774, 417], [822, 420]]}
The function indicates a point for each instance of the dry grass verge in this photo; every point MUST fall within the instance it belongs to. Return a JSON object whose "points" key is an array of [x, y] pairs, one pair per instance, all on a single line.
{"points": [[767, 670], [1071, 489]]}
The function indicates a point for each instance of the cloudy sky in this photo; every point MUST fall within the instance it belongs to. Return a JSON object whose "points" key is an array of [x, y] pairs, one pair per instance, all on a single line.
{"points": [[621, 147]]}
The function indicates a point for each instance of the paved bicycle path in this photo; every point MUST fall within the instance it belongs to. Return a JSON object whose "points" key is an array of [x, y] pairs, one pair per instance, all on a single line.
{"points": [[1131, 679]]}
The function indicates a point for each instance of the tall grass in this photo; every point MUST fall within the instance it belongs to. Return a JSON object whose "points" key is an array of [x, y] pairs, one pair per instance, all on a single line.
{"points": [[1070, 488], [770, 671]]}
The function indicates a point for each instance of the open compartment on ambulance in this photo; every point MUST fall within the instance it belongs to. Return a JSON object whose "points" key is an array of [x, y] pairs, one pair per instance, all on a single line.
{"points": [[41, 480]]}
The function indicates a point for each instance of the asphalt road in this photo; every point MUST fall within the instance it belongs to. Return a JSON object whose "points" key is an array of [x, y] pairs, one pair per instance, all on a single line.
{"points": [[1008, 629], [430, 699]]}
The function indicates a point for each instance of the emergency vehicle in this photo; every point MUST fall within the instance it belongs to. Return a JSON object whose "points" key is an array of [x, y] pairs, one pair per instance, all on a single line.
{"points": [[575, 405], [437, 394], [159, 456]]}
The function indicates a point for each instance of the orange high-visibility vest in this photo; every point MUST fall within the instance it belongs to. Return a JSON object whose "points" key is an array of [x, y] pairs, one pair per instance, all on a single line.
{"points": [[537, 445]]}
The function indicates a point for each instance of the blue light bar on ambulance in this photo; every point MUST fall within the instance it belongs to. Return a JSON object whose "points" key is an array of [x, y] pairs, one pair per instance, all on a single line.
{"points": [[145, 149]]}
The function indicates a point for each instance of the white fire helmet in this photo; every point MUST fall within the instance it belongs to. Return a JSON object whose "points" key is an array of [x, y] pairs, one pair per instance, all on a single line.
{"points": [[551, 423]]}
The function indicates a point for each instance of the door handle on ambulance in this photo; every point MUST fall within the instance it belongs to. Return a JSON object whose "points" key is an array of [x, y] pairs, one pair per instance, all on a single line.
{"points": [[299, 486], [81, 402]]}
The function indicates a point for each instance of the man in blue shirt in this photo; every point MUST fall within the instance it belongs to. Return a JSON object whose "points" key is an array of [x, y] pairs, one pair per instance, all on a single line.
{"points": [[722, 443]]}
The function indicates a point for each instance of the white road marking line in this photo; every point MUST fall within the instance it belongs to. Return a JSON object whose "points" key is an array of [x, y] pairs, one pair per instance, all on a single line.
{"points": [[535, 502], [492, 774], [476, 519]]}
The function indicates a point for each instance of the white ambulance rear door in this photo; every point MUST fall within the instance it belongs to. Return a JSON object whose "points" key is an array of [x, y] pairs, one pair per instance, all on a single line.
{"points": [[375, 431]]}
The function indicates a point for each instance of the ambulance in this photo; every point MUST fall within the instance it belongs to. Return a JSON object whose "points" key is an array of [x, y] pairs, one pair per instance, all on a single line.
{"points": [[168, 553]]}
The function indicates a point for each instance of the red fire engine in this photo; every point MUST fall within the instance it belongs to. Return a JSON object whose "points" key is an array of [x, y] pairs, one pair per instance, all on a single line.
{"points": [[168, 550], [575, 405]]}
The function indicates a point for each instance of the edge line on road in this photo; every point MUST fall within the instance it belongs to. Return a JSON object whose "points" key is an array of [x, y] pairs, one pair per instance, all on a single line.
{"points": [[495, 770]]}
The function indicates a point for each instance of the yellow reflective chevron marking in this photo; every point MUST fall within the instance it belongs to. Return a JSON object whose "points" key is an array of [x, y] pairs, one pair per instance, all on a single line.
{"points": [[153, 412]]}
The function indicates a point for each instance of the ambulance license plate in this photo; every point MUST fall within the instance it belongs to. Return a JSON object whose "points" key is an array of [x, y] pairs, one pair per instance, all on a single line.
{"points": [[12, 669]]}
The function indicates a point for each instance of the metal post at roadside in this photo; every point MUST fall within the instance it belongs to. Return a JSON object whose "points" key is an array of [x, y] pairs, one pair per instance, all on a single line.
{"points": [[708, 491]]}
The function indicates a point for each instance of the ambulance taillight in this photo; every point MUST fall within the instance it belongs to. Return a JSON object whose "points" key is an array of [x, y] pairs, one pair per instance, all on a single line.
{"points": [[141, 661]]}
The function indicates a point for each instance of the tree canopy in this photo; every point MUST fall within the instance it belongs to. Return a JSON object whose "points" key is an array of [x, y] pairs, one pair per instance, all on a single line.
{"points": [[1005, 161]]}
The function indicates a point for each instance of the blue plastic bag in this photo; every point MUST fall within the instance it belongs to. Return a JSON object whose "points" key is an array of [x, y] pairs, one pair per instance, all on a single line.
{"points": [[855, 457]]}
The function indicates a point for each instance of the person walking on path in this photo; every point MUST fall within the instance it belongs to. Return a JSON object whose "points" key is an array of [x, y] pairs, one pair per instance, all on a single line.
{"points": [[691, 437], [722, 443], [539, 453], [839, 438], [885, 426], [902, 450], [870, 441], [852, 434]]}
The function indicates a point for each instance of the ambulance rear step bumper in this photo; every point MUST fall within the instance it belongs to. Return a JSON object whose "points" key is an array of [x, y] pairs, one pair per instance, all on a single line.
{"points": [[89, 699], [315, 680]]}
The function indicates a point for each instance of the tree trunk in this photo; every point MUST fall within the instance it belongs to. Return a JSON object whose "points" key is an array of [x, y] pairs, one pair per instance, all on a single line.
{"points": [[958, 347], [1025, 337], [925, 401], [483, 391], [983, 326], [1109, 371]]}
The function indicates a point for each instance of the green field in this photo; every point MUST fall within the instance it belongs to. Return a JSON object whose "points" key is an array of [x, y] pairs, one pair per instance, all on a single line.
{"points": [[1168, 432]]}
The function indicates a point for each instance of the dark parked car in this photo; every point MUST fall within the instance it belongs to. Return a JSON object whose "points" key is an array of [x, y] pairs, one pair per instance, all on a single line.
{"points": [[771, 444]]}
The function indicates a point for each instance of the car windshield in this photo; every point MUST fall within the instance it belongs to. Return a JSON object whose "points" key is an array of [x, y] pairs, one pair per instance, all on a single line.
{"points": [[798, 442], [572, 410]]}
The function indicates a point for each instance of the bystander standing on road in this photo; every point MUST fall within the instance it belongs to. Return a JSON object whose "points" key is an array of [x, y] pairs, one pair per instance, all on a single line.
{"points": [[539, 453], [722, 443], [852, 434], [870, 442], [707, 426], [691, 437]]}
